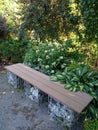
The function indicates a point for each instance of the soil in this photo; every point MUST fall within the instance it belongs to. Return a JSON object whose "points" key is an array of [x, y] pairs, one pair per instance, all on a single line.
{"points": [[17, 112]]}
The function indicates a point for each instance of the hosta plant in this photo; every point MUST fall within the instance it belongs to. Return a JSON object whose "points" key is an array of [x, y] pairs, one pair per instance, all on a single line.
{"points": [[81, 78]]}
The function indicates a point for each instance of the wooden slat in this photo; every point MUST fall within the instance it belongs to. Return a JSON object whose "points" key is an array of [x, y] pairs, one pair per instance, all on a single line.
{"points": [[55, 90], [84, 96]]}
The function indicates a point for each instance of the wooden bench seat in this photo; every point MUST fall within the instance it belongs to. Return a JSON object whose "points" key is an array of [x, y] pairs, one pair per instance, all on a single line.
{"points": [[75, 100]]}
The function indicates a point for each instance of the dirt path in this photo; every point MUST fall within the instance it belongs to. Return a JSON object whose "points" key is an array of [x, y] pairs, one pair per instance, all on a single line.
{"points": [[17, 112]]}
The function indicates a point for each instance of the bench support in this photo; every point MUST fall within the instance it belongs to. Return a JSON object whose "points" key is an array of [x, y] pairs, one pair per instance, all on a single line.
{"points": [[64, 114], [78, 125], [34, 94], [31, 91], [14, 80], [61, 112]]}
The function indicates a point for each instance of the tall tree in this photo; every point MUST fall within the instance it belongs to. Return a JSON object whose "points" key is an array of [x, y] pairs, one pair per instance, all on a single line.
{"points": [[3, 28], [51, 19], [48, 18]]}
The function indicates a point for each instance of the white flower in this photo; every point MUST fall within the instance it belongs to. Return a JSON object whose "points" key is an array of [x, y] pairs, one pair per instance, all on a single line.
{"points": [[39, 59], [61, 57], [45, 51], [71, 50], [54, 63], [47, 57], [52, 71], [62, 49], [47, 66], [56, 43], [52, 49], [37, 51]]}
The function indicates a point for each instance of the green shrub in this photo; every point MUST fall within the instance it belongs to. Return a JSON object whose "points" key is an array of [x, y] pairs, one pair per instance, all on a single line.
{"points": [[50, 57], [12, 50], [81, 78]]}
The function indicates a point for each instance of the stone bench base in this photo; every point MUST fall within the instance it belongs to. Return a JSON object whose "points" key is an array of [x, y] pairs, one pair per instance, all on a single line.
{"points": [[56, 110], [34, 94], [15, 80], [61, 112]]}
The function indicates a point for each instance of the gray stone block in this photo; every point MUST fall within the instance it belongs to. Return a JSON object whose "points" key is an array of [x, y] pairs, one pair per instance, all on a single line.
{"points": [[62, 112], [14, 80], [34, 94]]}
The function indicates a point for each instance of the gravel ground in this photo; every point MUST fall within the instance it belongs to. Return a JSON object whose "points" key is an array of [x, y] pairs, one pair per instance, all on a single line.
{"points": [[17, 112]]}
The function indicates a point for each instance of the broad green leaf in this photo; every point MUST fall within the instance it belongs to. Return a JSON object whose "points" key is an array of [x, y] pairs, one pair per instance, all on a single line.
{"points": [[81, 87], [95, 83], [53, 78]]}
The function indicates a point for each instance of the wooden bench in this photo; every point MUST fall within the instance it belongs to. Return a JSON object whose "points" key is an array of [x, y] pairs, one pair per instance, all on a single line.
{"points": [[75, 100]]}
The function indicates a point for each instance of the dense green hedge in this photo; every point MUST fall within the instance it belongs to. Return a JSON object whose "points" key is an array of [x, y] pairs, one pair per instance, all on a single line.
{"points": [[52, 19]]}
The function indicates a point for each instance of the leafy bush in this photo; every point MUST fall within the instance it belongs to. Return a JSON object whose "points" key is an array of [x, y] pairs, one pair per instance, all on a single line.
{"points": [[81, 78], [12, 50], [50, 57]]}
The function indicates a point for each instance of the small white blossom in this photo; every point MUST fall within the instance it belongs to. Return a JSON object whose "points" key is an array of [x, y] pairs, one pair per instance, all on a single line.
{"points": [[47, 66], [45, 51], [47, 57], [61, 57], [39, 59], [62, 49], [52, 71], [54, 63], [56, 43], [37, 51], [52, 49]]}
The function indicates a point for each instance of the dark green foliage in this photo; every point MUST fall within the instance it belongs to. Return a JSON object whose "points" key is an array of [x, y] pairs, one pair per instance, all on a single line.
{"points": [[88, 18], [49, 19], [54, 19], [3, 28], [12, 51], [81, 78]]}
